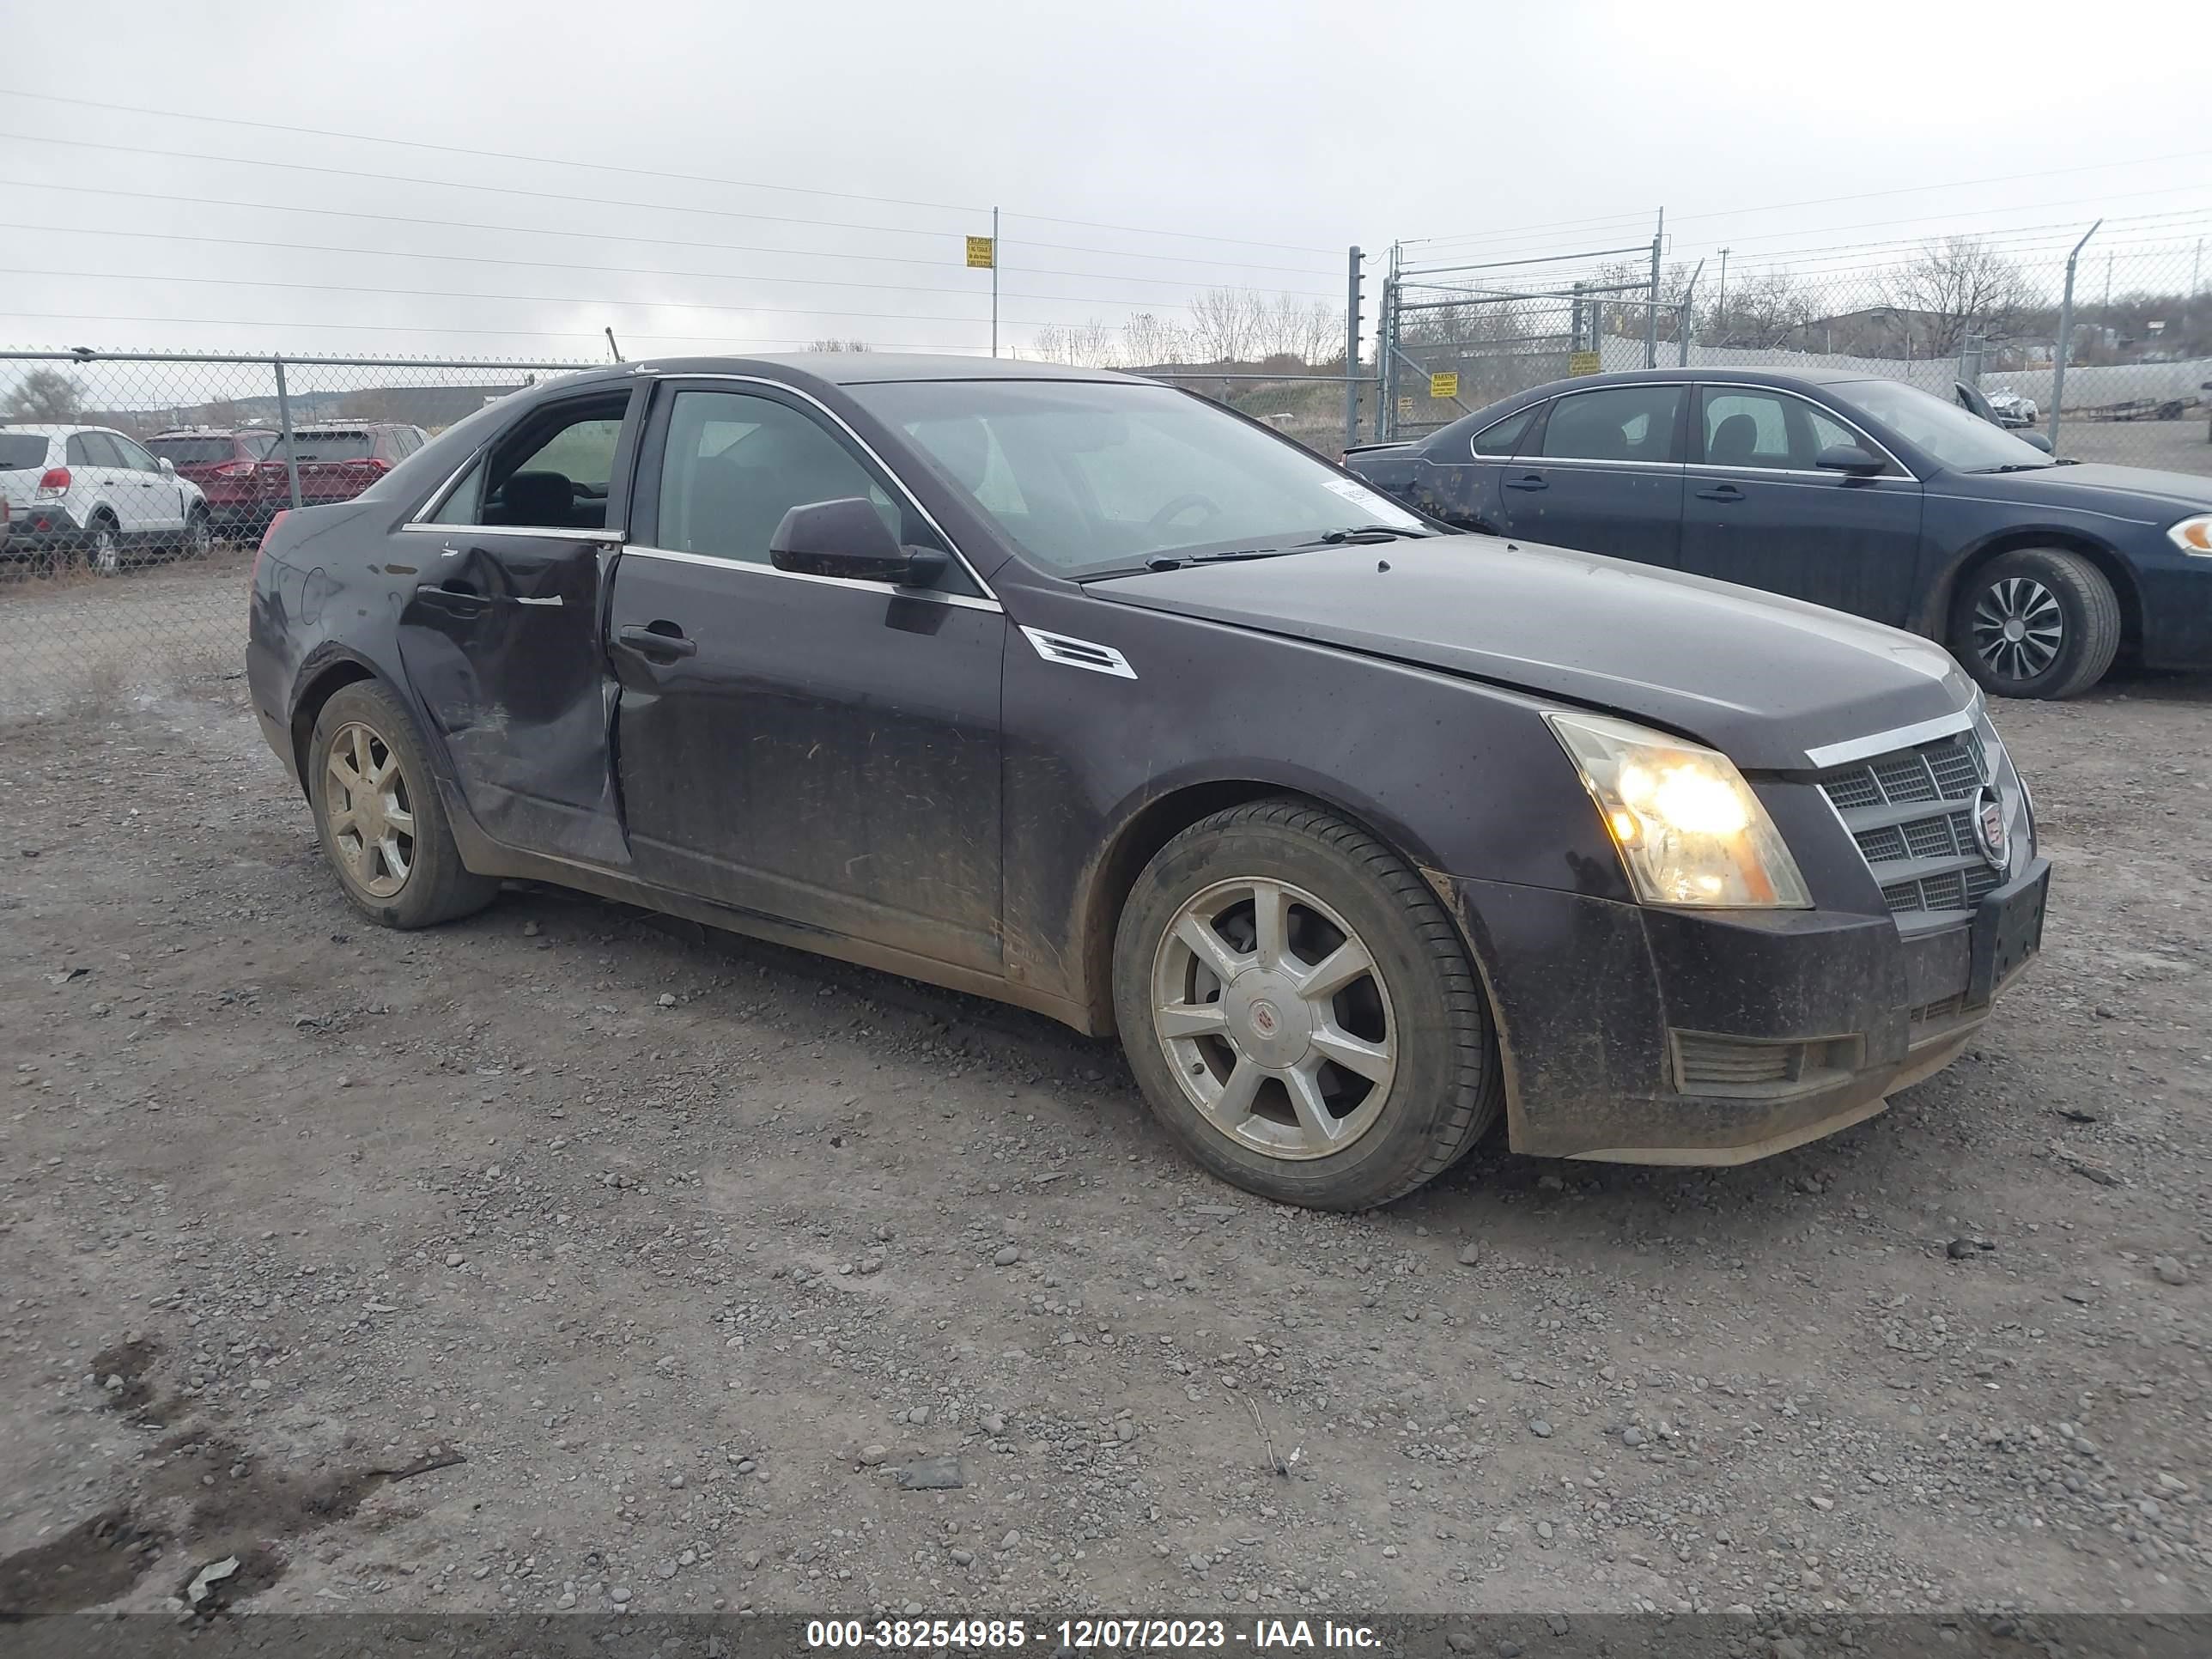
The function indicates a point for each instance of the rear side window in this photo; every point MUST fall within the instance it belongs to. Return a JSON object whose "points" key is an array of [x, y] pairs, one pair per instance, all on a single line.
{"points": [[92, 449], [552, 472], [1502, 437], [1613, 423], [19, 451]]}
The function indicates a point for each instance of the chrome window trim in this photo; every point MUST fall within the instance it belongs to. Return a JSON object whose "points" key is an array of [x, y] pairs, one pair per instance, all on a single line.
{"points": [[1583, 460], [1833, 413], [555, 533], [436, 499], [867, 449], [892, 590], [1823, 474], [1882, 743]]}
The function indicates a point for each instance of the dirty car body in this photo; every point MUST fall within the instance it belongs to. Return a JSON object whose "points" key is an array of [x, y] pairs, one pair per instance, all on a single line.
{"points": [[642, 685]]}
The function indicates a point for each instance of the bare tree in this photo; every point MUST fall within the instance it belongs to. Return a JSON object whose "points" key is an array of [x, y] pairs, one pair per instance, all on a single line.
{"points": [[1957, 287], [839, 345], [1226, 325], [1148, 341], [45, 394], [1293, 327], [1758, 311], [1080, 346]]}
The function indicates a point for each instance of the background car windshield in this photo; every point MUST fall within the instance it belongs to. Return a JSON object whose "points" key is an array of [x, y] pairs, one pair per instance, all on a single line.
{"points": [[331, 446], [1953, 438], [1085, 477], [192, 452]]}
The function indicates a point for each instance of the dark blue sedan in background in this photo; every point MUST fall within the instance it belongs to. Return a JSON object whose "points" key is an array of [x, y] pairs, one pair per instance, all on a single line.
{"points": [[1869, 495]]}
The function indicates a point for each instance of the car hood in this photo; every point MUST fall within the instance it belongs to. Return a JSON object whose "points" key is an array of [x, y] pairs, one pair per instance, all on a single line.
{"points": [[1762, 678], [2134, 492]]}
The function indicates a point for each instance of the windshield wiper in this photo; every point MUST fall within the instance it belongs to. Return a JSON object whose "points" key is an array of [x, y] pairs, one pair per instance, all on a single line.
{"points": [[1369, 533], [1176, 561], [2018, 466]]}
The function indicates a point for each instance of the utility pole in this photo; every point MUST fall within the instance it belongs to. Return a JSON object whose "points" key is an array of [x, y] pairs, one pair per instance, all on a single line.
{"points": [[1722, 323], [994, 282], [2065, 341], [1651, 305]]}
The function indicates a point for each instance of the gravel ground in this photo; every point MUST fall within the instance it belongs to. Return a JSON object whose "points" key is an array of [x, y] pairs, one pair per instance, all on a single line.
{"points": [[79, 639], [554, 1259]]}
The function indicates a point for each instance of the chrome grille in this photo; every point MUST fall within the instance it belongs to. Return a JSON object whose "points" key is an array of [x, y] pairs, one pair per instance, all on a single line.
{"points": [[1925, 860]]}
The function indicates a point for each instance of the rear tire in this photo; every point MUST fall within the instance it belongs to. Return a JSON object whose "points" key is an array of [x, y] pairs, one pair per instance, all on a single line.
{"points": [[1239, 1061], [2038, 622], [379, 816], [199, 537]]}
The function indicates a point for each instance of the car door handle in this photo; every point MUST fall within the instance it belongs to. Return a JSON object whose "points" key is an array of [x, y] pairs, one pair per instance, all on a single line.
{"points": [[1533, 481], [1726, 492], [661, 639], [454, 601]]}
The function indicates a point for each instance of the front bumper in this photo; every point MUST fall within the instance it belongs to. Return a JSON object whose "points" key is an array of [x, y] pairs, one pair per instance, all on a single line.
{"points": [[1648, 1036]]}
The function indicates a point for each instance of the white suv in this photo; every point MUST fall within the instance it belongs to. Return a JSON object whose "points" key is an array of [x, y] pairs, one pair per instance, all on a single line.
{"points": [[90, 494]]}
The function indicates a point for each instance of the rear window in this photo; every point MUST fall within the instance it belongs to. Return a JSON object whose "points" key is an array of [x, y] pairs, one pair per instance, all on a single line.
{"points": [[20, 450], [331, 446], [192, 452]]}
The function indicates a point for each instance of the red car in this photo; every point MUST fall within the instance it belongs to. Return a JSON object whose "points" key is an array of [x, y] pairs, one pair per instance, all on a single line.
{"points": [[337, 462], [225, 462]]}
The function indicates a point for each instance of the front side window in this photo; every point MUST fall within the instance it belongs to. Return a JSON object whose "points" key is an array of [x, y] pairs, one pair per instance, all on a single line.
{"points": [[1613, 423], [734, 463], [1749, 428], [134, 457], [1088, 478], [552, 472], [1502, 437]]}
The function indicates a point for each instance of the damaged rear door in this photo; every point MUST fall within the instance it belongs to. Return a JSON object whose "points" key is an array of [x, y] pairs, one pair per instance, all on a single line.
{"points": [[501, 632], [815, 748]]}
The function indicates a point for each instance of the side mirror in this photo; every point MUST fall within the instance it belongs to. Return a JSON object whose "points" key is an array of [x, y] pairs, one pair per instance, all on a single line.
{"points": [[849, 538], [168, 467], [1847, 457], [2036, 438]]}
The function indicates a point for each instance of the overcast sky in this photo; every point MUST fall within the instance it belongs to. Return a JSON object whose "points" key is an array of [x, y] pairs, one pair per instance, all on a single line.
{"points": [[1294, 128]]}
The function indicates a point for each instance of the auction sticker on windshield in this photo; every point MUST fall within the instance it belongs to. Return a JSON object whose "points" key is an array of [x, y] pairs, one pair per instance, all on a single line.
{"points": [[1381, 507]]}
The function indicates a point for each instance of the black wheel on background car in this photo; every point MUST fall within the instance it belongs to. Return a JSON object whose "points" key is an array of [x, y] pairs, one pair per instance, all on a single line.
{"points": [[2038, 622], [199, 536], [377, 811], [1299, 1010]]}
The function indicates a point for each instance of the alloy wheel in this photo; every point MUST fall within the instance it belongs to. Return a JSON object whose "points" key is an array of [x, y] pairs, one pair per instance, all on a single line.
{"points": [[372, 820], [106, 549], [1274, 1018], [2018, 628]]}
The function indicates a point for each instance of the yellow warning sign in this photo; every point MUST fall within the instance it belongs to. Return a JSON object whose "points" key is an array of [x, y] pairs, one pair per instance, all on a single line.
{"points": [[1445, 386], [1582, 362], [980, 254]]}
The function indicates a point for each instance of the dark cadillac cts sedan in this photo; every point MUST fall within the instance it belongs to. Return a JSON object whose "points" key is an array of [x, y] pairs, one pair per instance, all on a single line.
{"points": [[1073, 690]]}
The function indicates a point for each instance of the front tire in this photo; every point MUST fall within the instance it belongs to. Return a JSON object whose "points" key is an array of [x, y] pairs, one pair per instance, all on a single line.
{"points": [[2038, 622], [377, 812], [1300, 1011]]}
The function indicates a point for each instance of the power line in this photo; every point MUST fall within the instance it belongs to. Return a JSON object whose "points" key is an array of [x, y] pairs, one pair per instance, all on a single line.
{"points": [[1827, 201], [641, 173], [569, 199], [582, 235], [541, 299], [412, 328]]}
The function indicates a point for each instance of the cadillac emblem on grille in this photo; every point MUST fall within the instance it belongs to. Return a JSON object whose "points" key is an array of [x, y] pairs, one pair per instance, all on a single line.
{"points": [[1990, 829]]}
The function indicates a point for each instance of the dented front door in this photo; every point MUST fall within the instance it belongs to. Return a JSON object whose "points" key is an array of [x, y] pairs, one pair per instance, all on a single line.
{"points": [[501, 639]]}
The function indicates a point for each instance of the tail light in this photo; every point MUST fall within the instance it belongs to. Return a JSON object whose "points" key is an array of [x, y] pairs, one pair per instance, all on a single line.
{"points": [[267, 537], [377, 465], [56, 483], [236, 470]]}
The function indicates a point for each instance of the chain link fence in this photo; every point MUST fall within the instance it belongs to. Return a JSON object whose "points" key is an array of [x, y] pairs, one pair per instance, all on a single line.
{"points": [[1962, 318], [137, 487]]}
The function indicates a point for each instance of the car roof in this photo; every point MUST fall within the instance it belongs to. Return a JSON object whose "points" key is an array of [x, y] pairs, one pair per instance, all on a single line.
{"points": [[1755, 376], [51, 429], [209, 431], [871, 367]]}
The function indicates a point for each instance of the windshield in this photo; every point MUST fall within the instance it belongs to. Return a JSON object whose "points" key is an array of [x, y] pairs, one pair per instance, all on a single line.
{"points": [[1087, 478], [1954, 439], [192, 452]]}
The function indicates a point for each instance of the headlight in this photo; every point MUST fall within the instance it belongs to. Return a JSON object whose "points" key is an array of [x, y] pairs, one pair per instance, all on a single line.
{"points": [[2193, 535], [1689, 830]]}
